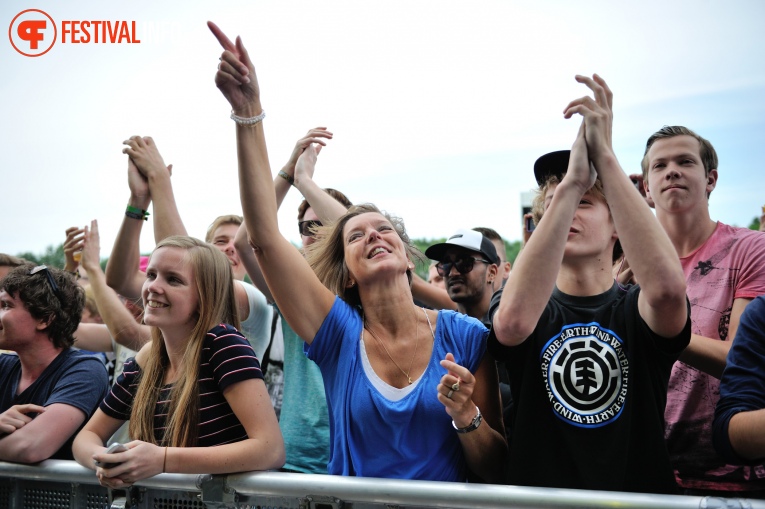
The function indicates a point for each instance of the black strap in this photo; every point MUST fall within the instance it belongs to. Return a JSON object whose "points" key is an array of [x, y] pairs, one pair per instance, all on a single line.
{"points": [[267, 355]]}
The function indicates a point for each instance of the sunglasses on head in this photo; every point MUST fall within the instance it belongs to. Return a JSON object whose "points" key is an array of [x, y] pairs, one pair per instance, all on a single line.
{"points": [[51, 281], [306, 227], [463, 265]]}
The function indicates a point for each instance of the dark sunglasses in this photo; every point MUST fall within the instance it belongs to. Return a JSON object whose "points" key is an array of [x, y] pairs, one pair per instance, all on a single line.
{"points": [[306, 227], [463, 265], [51, 281]]}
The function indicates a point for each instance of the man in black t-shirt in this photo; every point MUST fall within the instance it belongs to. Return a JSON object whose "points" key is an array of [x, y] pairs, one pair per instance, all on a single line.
{"points": [[589, 360]]}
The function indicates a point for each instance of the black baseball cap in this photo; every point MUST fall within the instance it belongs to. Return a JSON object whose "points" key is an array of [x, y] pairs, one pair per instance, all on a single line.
{"points": [[552, 164]]}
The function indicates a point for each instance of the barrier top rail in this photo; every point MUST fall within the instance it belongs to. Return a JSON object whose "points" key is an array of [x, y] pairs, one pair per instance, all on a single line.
{"points": [[382, 492]]}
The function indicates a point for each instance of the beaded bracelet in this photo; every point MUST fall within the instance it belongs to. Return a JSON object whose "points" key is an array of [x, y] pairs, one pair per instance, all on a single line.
{"points": [[136, 213], [283, 174], [248, 121]]}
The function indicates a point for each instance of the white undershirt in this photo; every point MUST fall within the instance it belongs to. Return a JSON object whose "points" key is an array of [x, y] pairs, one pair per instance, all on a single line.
{"points": [[388, 391]]}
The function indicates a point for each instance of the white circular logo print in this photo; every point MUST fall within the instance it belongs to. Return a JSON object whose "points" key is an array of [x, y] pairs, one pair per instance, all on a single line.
{"points": [[585, 370]]}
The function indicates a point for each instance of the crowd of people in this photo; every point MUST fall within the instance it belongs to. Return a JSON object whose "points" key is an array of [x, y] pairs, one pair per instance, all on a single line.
{"points": [[622, 351]]}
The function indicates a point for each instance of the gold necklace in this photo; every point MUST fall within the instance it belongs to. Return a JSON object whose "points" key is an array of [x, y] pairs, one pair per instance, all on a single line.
{"points": [[416, 345]]}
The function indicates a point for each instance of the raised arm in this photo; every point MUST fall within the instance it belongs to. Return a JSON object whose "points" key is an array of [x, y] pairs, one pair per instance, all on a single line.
{"points": [[316, 135], [282, 183], [122, 272], [530, 285], [327, 208], [652, 257], [72, 248], [300, 295], [250, 262], [120, 322], [145, 154], [430, 295]]}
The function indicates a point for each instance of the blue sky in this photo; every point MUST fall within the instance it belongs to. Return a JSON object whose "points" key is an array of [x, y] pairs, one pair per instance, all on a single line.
{"points": [[439, 108]]}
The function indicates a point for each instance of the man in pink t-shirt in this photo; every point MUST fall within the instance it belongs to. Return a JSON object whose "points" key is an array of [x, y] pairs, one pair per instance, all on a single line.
{"points": [[725, 269]]}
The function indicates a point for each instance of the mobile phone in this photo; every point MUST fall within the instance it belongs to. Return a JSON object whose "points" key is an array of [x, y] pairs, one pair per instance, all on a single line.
{"points": [[530, 226], [114, 448]]}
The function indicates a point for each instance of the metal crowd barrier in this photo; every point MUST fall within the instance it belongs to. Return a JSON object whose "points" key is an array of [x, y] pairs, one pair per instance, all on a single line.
{"points": [[65, 484]]}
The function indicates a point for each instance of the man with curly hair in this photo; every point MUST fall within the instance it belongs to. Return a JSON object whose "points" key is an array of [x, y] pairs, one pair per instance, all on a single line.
{"points": [[48, 390]]}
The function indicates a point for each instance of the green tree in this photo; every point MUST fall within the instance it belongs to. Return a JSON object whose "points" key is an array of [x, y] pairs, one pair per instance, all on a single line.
{"points": [[422, 244], [512, 249], [53, 256], [755, 225]]}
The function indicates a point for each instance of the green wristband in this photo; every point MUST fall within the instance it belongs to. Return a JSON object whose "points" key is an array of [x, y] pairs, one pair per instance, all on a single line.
{"points": [[136, 213]]}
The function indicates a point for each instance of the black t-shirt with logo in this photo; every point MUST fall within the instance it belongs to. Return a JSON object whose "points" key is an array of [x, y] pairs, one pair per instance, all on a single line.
{"points": [[590, 386]]}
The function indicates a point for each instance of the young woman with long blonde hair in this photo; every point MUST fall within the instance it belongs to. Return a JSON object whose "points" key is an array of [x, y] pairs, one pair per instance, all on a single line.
{"points": [[194, 395], [407, 388]]}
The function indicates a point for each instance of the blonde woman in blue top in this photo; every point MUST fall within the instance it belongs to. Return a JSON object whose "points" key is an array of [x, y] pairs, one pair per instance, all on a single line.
{"points": [[407, 388]]}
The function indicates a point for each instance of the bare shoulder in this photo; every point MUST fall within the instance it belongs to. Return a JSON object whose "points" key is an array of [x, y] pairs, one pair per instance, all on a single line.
{"points": [[143, 354]]}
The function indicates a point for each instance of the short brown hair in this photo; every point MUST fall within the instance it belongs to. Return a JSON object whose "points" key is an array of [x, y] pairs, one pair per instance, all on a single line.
{"points": [[62, 309], [327, 255], [334, 193], [220, 221], [706, 150], [7, 260]]}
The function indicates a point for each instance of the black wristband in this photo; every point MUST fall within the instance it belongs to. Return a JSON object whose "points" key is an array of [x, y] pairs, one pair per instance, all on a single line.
{"points": [[133, 215]]}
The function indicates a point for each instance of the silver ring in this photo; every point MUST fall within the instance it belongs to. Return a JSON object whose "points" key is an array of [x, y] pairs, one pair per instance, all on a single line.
{"points": [[449, 394]]}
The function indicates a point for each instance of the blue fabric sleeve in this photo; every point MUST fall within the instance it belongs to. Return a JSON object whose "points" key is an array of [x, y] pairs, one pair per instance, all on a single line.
{"points": [[465, 338], [742, 386], [327, 343], [83, 386]]}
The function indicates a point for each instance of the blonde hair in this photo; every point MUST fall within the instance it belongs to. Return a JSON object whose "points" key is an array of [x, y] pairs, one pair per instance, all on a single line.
{"points": [[222, 221], [538, 205], [217, 304], [327, 255]]}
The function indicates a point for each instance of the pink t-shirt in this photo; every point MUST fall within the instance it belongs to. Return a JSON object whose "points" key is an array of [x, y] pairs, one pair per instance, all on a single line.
{"points": [[729, 265]]}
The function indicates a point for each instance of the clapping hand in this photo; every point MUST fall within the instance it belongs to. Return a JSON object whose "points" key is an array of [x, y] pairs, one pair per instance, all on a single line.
{"points": [[317, 135], [598, 116]]}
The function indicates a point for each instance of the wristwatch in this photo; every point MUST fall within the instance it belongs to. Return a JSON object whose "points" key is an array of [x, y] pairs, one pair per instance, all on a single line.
{"points": [[473, 424]]}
